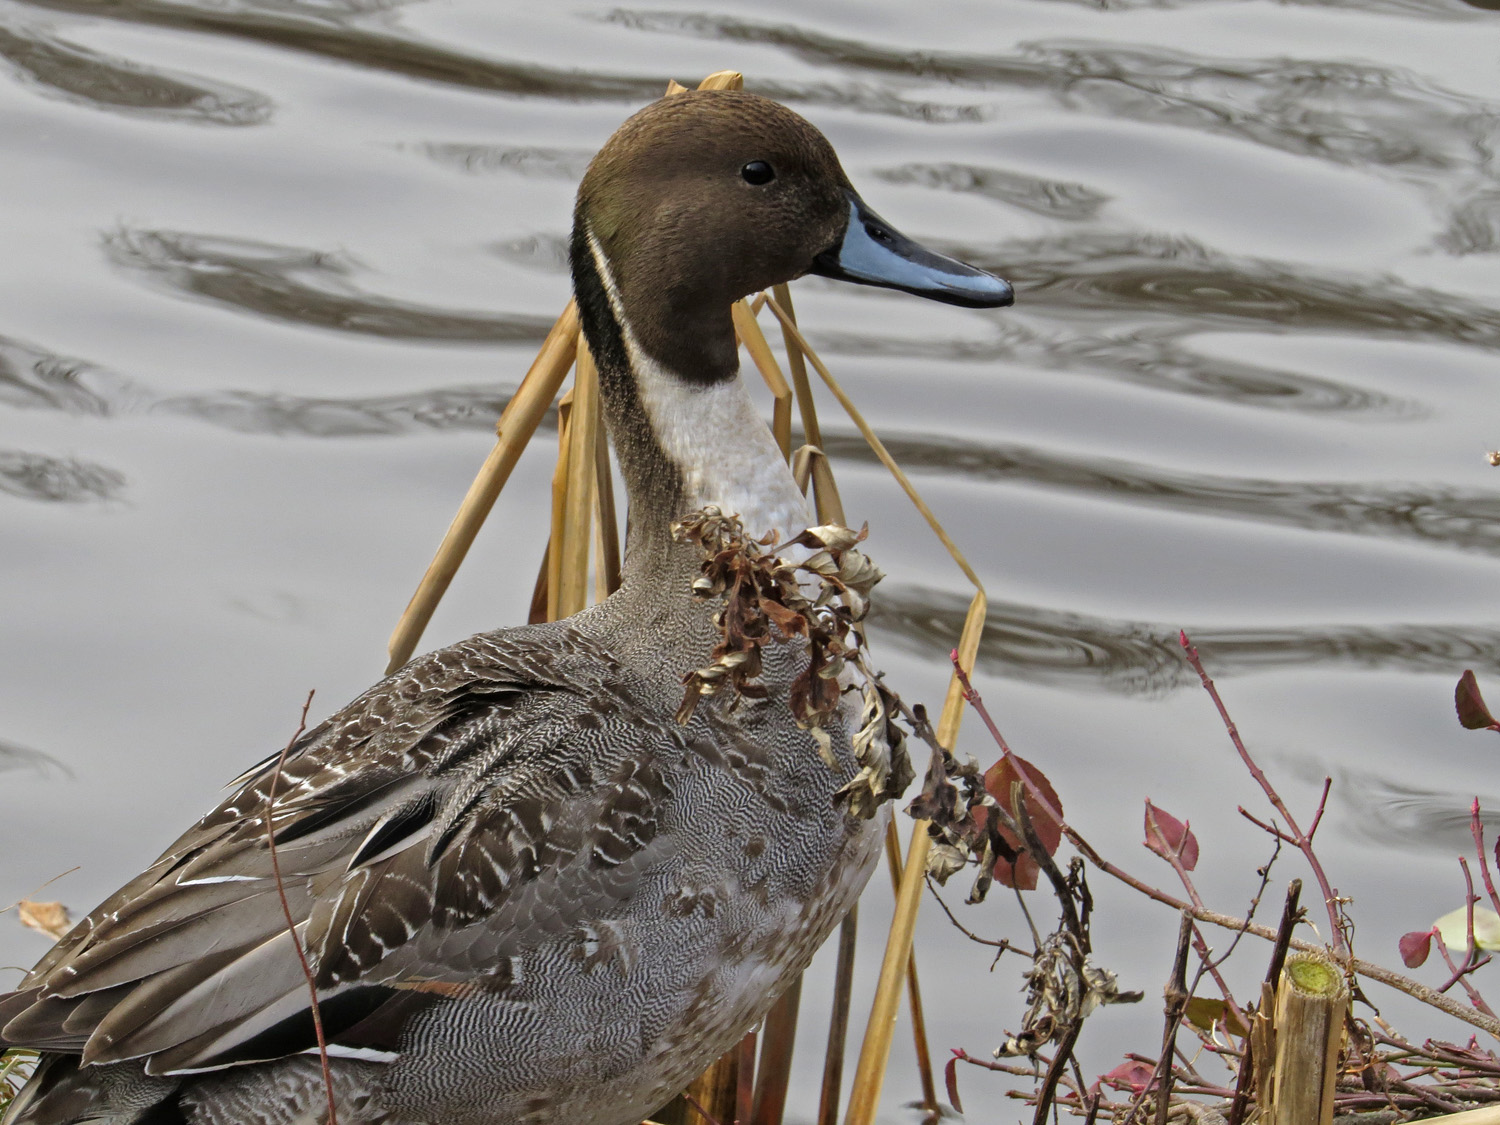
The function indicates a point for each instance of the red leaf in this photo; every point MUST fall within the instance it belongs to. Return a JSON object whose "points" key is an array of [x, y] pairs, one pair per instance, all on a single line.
{"points": [[1415, 947], [1472, 712], [950, 1076], [1168, 837], [998, 779], [1132, 1074]]}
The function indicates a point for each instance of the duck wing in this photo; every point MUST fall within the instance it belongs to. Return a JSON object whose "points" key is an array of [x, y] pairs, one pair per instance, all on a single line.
{"points": [[491, 796]]}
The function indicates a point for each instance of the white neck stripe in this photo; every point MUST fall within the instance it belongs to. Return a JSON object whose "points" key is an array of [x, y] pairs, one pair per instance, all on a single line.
{"points": [[713, 435]]}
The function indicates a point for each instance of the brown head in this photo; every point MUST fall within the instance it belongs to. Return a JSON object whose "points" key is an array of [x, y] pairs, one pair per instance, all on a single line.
{"points": [[706, 196]]}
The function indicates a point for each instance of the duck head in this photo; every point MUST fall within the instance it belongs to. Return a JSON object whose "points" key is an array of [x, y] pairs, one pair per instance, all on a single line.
{"points": [[697, 201], [707, 196]]}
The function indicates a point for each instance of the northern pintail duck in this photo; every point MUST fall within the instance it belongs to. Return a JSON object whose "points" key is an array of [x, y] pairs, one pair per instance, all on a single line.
{"points": [[528, 894]]}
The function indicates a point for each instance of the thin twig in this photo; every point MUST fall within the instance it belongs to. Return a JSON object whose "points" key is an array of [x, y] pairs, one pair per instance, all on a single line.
{"points": [[1460, 975], [1366, 969], [1001, 945], [286, 911], [1177, 998], [1300, 839]]}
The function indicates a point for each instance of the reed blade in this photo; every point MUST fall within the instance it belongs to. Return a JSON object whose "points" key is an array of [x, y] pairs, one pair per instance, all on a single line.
{"points": [[582, 455], [517, 424], [838, 1023]]}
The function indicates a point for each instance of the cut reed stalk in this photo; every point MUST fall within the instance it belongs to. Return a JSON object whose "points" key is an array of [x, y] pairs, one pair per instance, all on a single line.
{"points": [[748, 330], [797, 365], [1311, 1000], [556, 540], [838, 1024], [519, 421], [1489, 1115], [582, 453], [930, 1107], [718, 80], [713, 1096], [824, 488], [607, 539], [778, 1035]]}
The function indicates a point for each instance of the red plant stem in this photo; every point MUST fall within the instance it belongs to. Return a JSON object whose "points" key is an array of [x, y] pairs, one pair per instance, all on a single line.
{"points": [[1173, 856], [1300, 839], [1470, 898], [1270, 829], [971, 696], [1487, 1023], [1317, 819], [286, 912], [1476, 829], [1460, 975]]}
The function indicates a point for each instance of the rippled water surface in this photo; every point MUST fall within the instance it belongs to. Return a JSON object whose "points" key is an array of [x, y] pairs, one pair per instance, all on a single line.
{"points": [[269, 269]]}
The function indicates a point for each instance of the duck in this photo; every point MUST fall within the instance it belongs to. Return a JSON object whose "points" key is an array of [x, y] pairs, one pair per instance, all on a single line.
{"points": [[527, 893]]}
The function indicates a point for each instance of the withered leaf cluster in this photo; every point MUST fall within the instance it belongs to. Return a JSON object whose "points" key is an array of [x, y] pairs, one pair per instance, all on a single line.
{"points": [[974, 815], [819, 601], [1062, 988]]}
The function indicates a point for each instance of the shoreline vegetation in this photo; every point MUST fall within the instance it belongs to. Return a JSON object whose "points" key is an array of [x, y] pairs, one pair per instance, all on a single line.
{"points": [[1310, 1046]]}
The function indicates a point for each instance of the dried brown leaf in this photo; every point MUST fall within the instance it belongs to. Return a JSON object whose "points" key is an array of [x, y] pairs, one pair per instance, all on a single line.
{"points": [[50, 918], [1022, 871]]}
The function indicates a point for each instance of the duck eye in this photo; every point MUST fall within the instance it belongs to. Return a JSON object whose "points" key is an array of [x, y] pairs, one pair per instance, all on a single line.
{"points": [[758, 172]]}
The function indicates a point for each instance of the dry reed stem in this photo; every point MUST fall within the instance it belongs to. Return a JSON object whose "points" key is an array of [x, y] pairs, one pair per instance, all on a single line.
{"points": [[797, 365], [1489, 1115], [931, 1110], [748, 330], [869, 1076], [1311, 999], [582, 452], [718, 80], [522, 415], [558, 521], [607, 536], [810, 466], [773, 1073], [838, 1024]]}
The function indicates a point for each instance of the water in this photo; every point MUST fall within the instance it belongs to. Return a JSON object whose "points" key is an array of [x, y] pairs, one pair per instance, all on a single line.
{"points": [[269, 270]]}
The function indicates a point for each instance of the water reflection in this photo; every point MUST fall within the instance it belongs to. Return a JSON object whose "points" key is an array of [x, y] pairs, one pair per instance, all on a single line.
{"points": [[1061, 649], [89, 78], [548, 163], [1434, 516], [1349, 113], [32, 378], [546, 252], [303, 286], [452, 408], [1474, 225], [337, 33], [1144, 274], [1399, 814], [1153, 357], [334, 31], [1055, 199], [35, 476], [1157, 358], [14, 757]]}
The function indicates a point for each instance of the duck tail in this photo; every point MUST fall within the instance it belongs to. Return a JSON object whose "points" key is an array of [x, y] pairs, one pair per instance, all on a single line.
{"points": [[60, 1092]]}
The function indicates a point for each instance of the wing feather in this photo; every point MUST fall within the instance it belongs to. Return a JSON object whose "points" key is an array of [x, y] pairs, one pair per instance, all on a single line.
{"points": [[491, 796]]}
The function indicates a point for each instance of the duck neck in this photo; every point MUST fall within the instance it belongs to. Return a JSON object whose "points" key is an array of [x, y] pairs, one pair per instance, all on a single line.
{"points": [[684, 439]]}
